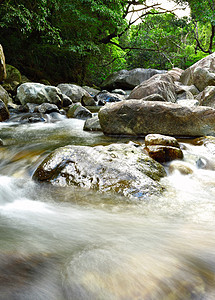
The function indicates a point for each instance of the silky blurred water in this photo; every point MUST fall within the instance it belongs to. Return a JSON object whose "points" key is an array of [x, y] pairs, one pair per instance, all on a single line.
{"points": [[69, 243]]}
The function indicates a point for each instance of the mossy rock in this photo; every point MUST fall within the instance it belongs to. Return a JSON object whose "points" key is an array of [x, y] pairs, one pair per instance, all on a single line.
{"points": [[13, 74]]}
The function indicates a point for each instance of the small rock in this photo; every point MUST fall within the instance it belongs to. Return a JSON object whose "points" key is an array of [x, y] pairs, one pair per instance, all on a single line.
{"points": [[203, 78], [76, 110], [4, 96], [119, 91], [92, 124], [47, 108], [104, 97], [207, 97], [92, 91], [23, 108], [39, 93], [154, 97], [184, 95], [88, 101], [164, 153], [33, 118], [163, 148], [175, 73], [180, 166], [161, 140], [66, 101]]}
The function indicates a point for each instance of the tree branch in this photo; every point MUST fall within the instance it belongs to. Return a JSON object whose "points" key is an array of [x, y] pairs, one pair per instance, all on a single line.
{"points": [[198, 43], [211, 38], [110, 36], [132, 48]]}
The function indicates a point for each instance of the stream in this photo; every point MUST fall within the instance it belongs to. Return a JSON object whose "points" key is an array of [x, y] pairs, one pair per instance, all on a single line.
{"points": [[70, 243]]}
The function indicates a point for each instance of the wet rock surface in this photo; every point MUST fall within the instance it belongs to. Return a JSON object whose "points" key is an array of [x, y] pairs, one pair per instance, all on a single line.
{"points": [[119, 168], [78, 111], [135, 118], [92, 124], [73, 91], [38, 93], [162, 148]]}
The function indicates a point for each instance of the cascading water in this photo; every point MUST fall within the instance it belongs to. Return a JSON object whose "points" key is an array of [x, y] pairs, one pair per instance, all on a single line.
{"points": [[69, 243]]}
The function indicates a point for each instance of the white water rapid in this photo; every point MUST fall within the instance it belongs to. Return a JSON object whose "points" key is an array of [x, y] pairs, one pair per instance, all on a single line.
{"points": [[68, 243]]}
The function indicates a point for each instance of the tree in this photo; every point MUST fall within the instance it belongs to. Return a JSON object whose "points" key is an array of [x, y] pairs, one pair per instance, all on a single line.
{"points": [[168, 39], [83, 41], [203, 15]]}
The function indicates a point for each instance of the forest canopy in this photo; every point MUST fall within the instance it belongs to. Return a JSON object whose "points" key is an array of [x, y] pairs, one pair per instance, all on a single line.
{"points": [[83, 41]]}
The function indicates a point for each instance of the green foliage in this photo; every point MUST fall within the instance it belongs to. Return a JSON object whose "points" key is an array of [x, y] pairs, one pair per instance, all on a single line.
{"points": [[202, 11], [203, 16], [61, 26], [166, 38], [29, 18], [83, 41]]}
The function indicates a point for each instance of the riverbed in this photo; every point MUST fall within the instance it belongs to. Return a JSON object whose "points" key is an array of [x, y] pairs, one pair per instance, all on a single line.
{"points": [[70, 243]]}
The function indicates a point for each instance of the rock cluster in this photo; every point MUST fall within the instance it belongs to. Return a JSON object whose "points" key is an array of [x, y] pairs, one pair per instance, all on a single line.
{"points": [[162, 105], [177, 103]]}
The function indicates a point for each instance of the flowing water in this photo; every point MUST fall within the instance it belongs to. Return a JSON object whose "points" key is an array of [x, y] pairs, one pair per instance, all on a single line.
{"points": [[68, 243]]}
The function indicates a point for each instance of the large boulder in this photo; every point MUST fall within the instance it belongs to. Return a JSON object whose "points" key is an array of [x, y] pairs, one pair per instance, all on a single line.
{"points": [[73, 91], [139, 118], [161, 84], [120, 168], [207, 62], [125, 79], [3, 73], [38, 93]]}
